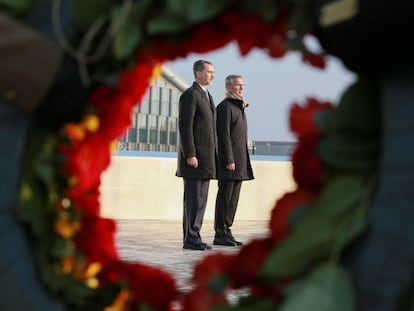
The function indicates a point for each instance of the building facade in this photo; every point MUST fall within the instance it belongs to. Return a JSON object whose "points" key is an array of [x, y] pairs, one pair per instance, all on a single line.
{"points": [[154, 122]]}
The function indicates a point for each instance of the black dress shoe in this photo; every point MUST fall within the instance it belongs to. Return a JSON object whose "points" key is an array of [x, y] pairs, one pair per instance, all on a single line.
{"points": [[206, 245], [196, 246], [231, 238], [224, 242], [238, 243]]}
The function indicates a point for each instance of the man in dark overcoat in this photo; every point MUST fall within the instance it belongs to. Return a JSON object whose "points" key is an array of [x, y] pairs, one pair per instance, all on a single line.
{"points": [[197, 153], [234, 160]]}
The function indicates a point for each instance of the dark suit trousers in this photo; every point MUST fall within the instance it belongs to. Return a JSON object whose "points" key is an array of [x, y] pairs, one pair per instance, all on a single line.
{"points": [[226, 205], [195, 202]]}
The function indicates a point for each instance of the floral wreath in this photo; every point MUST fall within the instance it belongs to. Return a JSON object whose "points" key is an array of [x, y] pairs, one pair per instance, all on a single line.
{"points": [[297, 266]]}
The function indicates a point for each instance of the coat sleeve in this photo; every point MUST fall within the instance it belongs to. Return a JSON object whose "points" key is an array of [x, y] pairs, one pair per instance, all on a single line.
{"points": [[186, 115], [224, 134]]}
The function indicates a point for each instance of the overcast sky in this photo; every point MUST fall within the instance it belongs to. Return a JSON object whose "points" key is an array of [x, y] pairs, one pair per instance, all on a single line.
{"points": [[272, 85]]}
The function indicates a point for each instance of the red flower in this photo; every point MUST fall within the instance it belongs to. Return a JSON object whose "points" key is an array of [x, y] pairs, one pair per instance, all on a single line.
{"points": [[96, 239], [280, 221], [113, 111], [302, 118], [200, 300], [307, 166], [270, 292], [213, 36], [149, 285], [87, 161], [212, 265], [75, 132], [251, 33], [276, 46], [87, 202], [160, 50], [275, 42], [134, 82], [315, 60], [211, 281], [244, 270]]}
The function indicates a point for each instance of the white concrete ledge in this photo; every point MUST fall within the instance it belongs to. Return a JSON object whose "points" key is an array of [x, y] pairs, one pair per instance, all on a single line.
{"points": [[137, 187]]}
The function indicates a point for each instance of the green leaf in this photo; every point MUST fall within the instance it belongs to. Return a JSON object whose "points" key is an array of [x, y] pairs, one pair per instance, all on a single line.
{"points": [[85, 13], [359, 109], [266, 9], [248, 304], [300, 17], [353, 131], [218, 283], [45, 169], [179, 15], [340, 195], [328, 288], [171, 18], [356, 221], [310, 240], [127, 32], [167, 23], [61, 247], [16, 7], [314, 234], [32, 204], [75, 292], [350, 153], [201, 10], [128, 27]]}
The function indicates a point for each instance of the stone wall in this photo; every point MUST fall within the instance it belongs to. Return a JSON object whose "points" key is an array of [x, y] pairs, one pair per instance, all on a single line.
{"points": [[147, 188]]}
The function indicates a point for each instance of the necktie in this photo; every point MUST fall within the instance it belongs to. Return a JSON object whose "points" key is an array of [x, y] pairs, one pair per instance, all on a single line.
{"points": [[208, 97]]}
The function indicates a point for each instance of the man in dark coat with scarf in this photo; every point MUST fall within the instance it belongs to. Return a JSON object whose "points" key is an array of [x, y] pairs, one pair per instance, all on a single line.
{"points": [[234, 160], [197, 153]]}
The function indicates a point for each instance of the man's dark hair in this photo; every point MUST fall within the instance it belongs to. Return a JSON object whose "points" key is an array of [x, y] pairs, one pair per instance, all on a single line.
{"points": [[199, 65]]}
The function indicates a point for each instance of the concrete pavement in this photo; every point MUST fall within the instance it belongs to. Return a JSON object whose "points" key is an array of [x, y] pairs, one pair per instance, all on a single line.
{"points": [[159, 243]]}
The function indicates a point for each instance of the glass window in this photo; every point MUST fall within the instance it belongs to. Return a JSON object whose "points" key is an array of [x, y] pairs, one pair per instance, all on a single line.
{"points": [[165, 101], [142, 128], [134, 119], [174, 103], [155, 100], [142, 121], [143, 134], [172, 124], [173, 138], [132, 134], [144, 106], [172, 127], [153, 131], [163, 130]]}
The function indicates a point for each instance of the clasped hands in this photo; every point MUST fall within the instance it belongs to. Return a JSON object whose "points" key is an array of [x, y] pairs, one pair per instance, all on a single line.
{"points": [[193, 162]]}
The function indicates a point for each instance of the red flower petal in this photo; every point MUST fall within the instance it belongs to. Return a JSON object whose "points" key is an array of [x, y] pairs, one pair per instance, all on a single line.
{"points": [[279, 224], [248, 261], [211, 266], [96, 239], [315, 60], [149, 285], [302, 117], [307, 166]]}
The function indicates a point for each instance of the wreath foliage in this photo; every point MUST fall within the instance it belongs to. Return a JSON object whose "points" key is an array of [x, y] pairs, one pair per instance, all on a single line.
{"points": [[298, 266]]}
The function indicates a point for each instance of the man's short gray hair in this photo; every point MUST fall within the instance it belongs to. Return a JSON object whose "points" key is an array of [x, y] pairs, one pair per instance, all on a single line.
{"points": [[230, 78]]}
